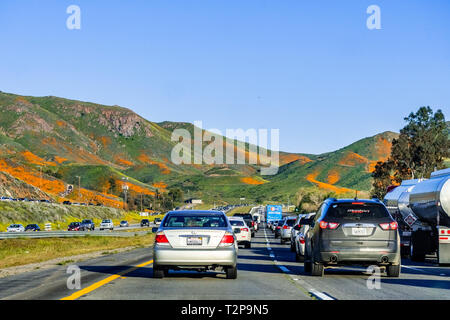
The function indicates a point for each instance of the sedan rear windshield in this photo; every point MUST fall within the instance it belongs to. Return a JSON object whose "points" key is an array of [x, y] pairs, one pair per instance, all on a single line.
{"points": [[237, 223], [357, 211], [195, 221]]}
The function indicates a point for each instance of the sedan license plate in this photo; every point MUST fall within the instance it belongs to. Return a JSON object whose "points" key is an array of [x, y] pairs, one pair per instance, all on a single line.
{"points": [[359, 231], [196, 241]]}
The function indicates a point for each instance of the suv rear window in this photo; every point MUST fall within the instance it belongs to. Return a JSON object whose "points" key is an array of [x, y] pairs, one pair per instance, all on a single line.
{"points": [[290, 222], [357, 211], [196, 221]]}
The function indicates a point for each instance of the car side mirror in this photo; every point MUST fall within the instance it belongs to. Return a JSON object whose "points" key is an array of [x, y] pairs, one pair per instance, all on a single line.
{"points": [[154, 229], [237, 231]]}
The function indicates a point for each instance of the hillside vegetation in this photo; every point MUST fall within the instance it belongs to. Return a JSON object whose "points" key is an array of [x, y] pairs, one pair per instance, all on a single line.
{"points": [[49, 143]]}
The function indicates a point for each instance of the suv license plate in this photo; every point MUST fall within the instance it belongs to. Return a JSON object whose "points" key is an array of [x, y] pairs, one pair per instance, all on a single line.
{"points": [[194, 241], [359, 231]]}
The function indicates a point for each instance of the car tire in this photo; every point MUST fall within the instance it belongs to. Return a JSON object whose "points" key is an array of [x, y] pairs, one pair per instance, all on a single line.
{"points": [[253, 234], [307, 266], [393, 271], [292, 247], [299, 258], [158, 273], [231, 272], [248, 245], [166, 272]]}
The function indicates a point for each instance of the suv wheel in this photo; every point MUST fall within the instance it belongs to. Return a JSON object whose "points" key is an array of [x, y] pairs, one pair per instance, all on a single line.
{"points": [[158, 273], [248, 245], [292, 247], [393, 270], [317, 269], [299, 258], [231, 272]]}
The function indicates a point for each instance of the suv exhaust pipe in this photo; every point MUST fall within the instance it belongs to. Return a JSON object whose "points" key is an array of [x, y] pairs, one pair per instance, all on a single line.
{"points": [[384, 259], [333, 258]]}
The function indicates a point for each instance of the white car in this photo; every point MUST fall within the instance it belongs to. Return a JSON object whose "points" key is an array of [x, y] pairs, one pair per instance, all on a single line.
{"points": [[15, 228], [107, 224], [300, 238], [241, 231]]}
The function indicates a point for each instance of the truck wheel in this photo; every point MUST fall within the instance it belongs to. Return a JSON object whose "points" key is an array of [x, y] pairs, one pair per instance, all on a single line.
{"points": [[231, 272], [415, 255], [393, 271], [158, 273]]}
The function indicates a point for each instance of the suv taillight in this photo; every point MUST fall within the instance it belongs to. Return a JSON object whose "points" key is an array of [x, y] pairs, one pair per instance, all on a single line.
{"points": [[328, 225], [285, 227], [227, 240], [161, 238], [389, 226]]}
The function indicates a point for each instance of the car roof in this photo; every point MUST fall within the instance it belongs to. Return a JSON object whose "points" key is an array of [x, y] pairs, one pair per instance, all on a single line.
{"points": [[236, 218], [333, 200], [195, 212]]}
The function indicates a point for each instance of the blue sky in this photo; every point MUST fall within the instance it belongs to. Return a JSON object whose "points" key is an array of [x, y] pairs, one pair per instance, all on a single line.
{"points": [[310, 68]]}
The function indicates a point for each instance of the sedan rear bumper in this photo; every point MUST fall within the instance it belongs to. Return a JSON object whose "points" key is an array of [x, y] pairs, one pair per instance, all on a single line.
{"points": [[164, 256]]}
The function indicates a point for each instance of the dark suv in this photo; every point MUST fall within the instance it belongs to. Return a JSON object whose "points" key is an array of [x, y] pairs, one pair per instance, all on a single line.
{"points": [[248, 221], [355, 232]]}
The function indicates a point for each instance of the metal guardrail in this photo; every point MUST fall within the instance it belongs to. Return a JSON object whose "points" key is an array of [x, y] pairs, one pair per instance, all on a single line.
{"points": [[66, 234]]}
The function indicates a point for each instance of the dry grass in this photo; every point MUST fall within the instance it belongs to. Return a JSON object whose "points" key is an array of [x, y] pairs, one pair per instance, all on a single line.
{"points": [[16, 252]]}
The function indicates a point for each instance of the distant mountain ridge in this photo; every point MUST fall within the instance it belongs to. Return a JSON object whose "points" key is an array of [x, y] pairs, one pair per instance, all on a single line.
{"points": [[48, 142]]}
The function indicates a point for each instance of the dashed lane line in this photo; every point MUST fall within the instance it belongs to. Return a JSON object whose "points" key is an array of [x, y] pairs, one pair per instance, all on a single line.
{"points": [[313, 292]]}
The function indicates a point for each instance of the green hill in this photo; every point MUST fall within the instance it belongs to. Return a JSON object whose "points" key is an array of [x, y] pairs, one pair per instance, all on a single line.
{"points": [[47, 142]]}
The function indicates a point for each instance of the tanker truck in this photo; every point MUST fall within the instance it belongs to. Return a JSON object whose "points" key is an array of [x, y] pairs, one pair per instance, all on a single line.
{"points": [[422, 210]]}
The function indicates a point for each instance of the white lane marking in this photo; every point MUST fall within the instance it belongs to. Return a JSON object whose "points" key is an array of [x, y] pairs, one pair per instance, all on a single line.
{"points": [[312, 291], [408, 267], [284, 269], [320, 295]]}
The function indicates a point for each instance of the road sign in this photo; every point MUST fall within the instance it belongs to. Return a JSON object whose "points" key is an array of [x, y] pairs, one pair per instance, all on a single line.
{"points": [[48, 227]]}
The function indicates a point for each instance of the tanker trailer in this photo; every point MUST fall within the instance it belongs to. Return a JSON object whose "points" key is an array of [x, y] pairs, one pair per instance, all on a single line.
{"points": [[397, 201], [424, 206]]}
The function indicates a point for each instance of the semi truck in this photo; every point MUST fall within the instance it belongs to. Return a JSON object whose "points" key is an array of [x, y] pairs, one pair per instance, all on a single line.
{"points": [[422, 209]]}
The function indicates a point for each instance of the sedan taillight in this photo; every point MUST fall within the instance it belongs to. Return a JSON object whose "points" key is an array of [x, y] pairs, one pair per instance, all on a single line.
{"points": [[227, 240], [161, 239]]}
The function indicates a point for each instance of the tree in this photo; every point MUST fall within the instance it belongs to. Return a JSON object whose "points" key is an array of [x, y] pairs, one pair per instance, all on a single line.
{"points": [[419, 150], [422, 145], [176, 194], [382, 179]]}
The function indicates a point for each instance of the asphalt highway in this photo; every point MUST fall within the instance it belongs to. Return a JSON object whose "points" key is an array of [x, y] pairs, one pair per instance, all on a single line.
{"points": [[266, 271]]}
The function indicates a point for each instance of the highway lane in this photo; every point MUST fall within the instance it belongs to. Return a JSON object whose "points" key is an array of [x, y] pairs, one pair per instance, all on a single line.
{"points": [[417, 280], [266, 271]]}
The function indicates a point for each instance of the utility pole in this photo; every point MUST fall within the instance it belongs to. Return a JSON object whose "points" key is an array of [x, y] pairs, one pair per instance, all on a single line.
{"points": [[125, 190], [79, 187]]}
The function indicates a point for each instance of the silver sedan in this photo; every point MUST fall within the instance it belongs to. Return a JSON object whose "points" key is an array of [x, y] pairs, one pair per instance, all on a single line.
{"points": [[199, 240]]}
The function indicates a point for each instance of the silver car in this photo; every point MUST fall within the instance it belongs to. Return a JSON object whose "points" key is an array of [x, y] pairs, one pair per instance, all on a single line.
{"points": [[199, 240], [286, 228], [299, 240]]}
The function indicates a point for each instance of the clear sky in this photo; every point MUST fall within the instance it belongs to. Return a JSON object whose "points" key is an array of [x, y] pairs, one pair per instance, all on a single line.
{"points": [[310, 68]]}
